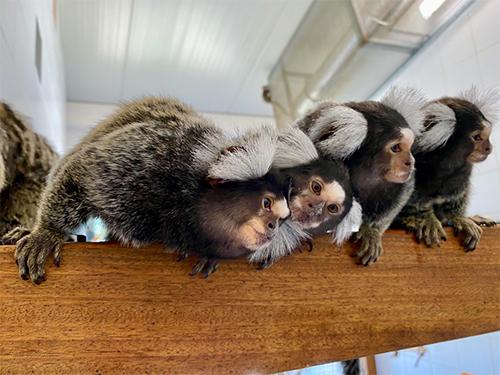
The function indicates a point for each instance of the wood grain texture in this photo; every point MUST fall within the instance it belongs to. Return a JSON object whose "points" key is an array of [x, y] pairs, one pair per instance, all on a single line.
{"points": [[114, 310]]}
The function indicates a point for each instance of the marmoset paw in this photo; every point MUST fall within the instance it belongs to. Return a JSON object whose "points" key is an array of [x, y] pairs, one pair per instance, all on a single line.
{"points": [[15, 235], [207, 266], [471, 230], [430, 230], [32, 251], [479, 220], [371, 245], [410, 223]]}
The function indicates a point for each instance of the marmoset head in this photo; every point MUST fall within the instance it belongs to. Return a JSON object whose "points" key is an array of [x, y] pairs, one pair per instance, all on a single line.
{"points": [[244, 215], [320, 193], [460, 126], [387, 146]]}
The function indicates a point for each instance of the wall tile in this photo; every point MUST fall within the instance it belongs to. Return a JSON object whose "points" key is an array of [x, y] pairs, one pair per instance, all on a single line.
{"points": [[462, 76], [475, 355], [485, 196], [484, 16], [444, 353], [495, 353], [489, 65], [428, 62], [456, 43], [434, 87], [442, 370], [389, 364]]}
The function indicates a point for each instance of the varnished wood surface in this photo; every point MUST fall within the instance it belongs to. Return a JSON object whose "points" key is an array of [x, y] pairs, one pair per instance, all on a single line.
{"points": [[113, 310]]}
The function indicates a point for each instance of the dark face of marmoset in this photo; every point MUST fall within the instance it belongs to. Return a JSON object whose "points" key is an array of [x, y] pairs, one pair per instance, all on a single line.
{"points": [[386, 152], [321, 194], [243, 216], [469, 141]]}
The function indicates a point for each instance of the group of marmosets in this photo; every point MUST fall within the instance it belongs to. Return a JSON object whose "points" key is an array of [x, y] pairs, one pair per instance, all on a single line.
{"points": [[158, 172]]}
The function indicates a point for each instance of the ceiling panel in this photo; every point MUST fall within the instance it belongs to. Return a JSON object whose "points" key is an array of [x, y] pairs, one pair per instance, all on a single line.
{"points": [[213, 54], [94, 36]]}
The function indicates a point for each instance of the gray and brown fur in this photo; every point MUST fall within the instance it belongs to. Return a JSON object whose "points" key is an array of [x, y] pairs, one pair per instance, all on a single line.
{"points": [[362, 131], [444, 167], [24, 165], [144, 179]]}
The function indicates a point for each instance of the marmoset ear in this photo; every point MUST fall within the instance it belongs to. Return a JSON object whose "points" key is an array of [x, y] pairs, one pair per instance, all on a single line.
{"points": [[487, 101], [439, 125], [336, 130], [251, 157], [408, 102], [294, 148]]}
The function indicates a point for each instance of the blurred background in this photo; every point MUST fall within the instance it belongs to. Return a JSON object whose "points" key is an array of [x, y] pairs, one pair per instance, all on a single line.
{"points": [[66, 64]]}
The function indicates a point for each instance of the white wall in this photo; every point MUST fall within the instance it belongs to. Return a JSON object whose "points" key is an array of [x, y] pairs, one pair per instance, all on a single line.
{"points": [[467, 53], [82, 116], [41, 102]]}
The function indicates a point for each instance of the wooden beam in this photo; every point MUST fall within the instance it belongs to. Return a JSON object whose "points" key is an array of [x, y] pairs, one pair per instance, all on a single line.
{"points": [[115, 310]]}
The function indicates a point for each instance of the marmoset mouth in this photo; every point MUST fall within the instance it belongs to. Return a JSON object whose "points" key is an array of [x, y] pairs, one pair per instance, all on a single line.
{"points": [[477, 158]]}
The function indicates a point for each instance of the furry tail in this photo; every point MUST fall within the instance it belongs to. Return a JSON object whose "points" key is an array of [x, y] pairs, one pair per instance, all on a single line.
{"points": [[351, 367]]}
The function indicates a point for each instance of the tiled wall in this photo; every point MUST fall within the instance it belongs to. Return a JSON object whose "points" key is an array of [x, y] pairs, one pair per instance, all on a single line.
{"points": [[41, 101], [478, 355], [467, 53]]}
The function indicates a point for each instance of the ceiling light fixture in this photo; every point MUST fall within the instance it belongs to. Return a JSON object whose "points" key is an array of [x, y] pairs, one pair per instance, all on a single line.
{"points": [[428, 7]]}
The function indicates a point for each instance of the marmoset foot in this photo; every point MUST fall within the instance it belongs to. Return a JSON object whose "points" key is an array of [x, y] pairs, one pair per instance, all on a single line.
{"points": [[371, 245], [479, 220], [207, 266], [32, 251], [471, 230], [430, 230]]}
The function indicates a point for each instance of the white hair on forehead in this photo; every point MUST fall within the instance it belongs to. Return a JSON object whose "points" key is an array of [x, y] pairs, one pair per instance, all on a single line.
{"points": [[349, 129], [288, 238], [487, 101], [294, 148], [349, 224], [437, 136], [408, 101], [251, 158]]}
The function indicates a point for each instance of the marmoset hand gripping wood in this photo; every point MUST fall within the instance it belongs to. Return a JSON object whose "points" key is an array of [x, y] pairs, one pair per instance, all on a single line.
{"points": [[114, 310]]}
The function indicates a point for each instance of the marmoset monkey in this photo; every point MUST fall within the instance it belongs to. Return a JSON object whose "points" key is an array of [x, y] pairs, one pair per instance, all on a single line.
{"points": [[24, 165], [455, 136], [189, 187], [377, 138]]}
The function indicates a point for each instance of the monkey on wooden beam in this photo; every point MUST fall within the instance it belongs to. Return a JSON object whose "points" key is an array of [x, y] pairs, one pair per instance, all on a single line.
{"points": [[377, 138], [455, 137]]}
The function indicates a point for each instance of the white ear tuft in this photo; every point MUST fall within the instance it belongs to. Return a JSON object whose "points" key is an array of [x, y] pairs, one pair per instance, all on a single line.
{"points": [[249, 156], [294, 148], [349, 224], [488, 102], [443, 120], [337, 131], [408, 101]]}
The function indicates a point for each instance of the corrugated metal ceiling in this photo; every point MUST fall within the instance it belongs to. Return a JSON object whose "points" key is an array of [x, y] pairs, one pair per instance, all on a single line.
{"points": [[216, 55]]}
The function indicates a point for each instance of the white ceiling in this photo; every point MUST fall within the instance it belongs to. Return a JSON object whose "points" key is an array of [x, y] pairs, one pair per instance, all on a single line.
{"points": [[215, 55]]}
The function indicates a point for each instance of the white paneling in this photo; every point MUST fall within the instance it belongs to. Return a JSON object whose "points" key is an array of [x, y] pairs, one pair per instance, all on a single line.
{"points": [[213, 54], [485, 23], [199, 51], [485, 195], [41, 102], [95, 36], [249, 99]]}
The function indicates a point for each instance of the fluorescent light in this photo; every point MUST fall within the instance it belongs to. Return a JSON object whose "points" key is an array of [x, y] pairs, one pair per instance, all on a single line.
{"points": [[428, 7]]}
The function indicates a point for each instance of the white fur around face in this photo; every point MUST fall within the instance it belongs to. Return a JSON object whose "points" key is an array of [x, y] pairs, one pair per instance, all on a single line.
{"points": [[349, 224], [408, 101], [350, 129], [439, 134], [488, 102], [294, 148]]}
